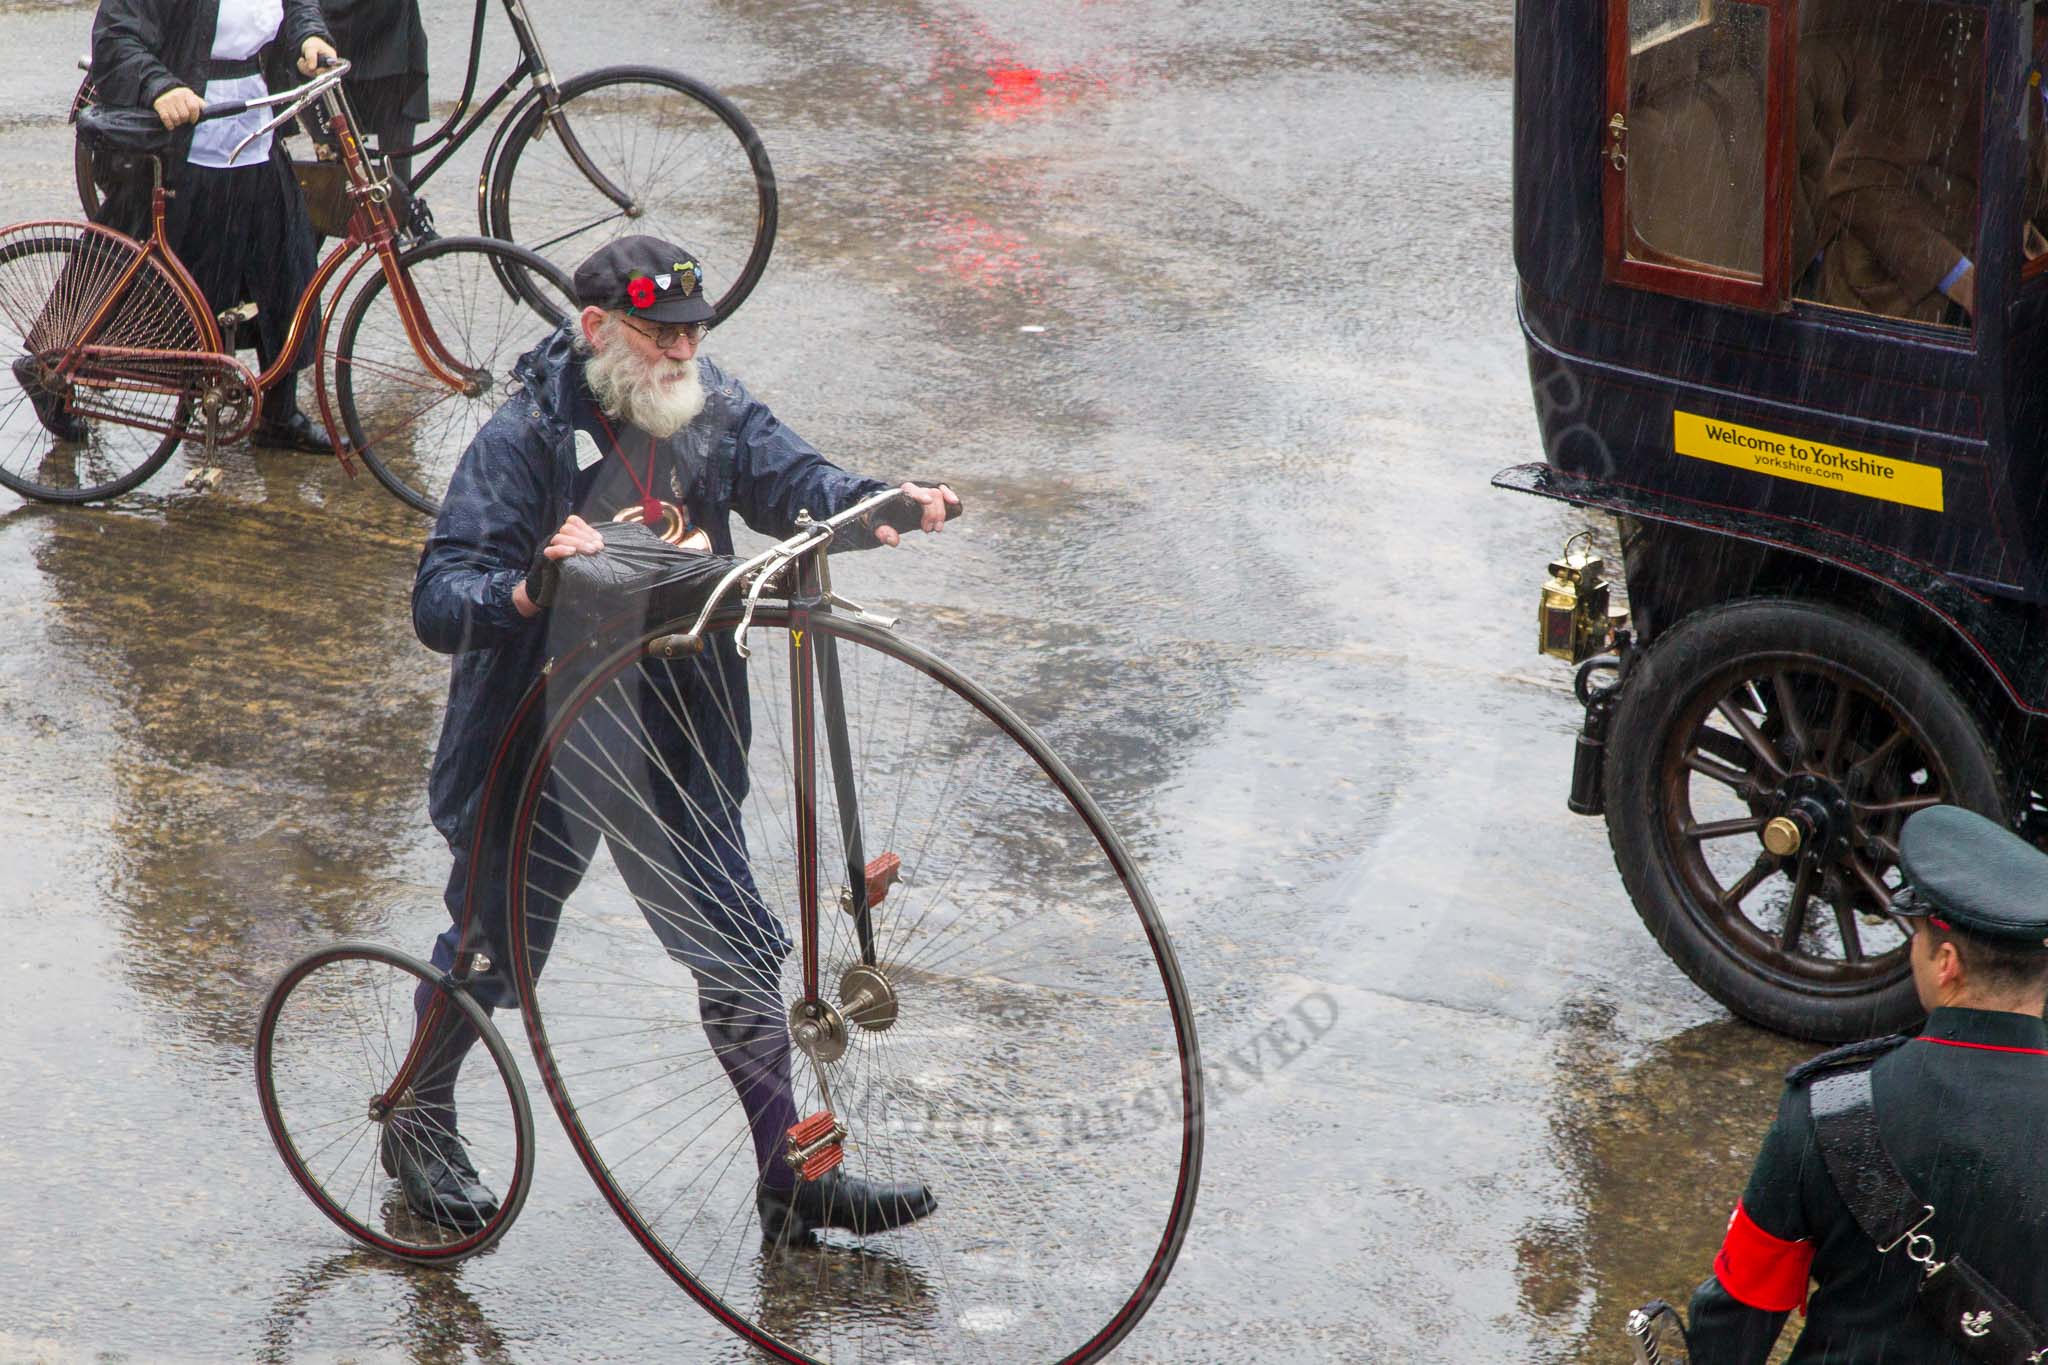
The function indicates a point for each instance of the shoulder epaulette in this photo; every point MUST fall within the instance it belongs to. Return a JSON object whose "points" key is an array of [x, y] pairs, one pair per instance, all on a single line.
{"points": [[1844, 1056]]}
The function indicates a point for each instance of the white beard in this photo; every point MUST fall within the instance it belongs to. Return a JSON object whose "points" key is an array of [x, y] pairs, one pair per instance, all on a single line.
{"points": [[660, 398]]}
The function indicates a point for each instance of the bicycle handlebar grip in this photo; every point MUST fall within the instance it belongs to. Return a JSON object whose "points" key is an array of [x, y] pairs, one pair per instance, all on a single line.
{"points": [[228, 110], [904, 515]]}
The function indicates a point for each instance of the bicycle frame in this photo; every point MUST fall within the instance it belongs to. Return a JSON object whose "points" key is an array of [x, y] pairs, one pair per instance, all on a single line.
{"points": [[533, 65], [373, 229]]}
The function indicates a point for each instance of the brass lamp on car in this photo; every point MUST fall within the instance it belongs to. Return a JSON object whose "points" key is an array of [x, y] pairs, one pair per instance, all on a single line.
{"points": [[1572, 620]]}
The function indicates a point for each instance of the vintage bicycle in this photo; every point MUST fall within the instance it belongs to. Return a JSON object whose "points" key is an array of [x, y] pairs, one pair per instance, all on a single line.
{"points": [[980, 993], [113, 337], [578, 162]]}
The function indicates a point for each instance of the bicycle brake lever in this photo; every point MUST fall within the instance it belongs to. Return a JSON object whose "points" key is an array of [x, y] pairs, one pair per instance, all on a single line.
{"points": [[299, 99]]}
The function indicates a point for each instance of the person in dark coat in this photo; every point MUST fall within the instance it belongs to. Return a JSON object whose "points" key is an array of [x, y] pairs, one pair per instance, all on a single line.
{"points": [[1962, 1109], [240, 227], [387, 80], [617, 410]]}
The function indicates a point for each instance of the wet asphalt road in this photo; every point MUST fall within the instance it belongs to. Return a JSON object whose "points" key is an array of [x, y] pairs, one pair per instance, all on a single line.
{"points": [[1231, 545]]}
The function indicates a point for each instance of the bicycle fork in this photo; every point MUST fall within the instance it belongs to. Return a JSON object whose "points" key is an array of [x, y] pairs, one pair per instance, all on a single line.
{"points": [[866, 997]]}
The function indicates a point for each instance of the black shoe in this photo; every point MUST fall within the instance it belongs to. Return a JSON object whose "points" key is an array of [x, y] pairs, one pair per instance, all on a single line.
{"points": [[419, 221], [433, 1168], [297, 432], [50, 410], [839, 1200]]}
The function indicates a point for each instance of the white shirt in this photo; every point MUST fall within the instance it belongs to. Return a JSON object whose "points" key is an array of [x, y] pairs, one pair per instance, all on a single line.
{"points": [[243, 29]]}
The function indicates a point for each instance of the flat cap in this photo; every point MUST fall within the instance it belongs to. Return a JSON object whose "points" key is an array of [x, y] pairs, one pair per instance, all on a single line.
{"points": [[1975, 875], [646, 277]]}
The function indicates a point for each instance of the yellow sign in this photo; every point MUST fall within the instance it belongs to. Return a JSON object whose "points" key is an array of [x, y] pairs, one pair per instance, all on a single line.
{"points": [[1814, 462]]}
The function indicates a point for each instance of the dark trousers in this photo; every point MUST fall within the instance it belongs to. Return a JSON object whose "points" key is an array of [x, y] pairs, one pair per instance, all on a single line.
{"points": [[682, 854], [243, 234]]}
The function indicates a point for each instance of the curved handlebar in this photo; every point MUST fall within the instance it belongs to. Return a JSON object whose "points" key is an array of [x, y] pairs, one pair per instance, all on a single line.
{"points": [[332, 70], [890, 507]]}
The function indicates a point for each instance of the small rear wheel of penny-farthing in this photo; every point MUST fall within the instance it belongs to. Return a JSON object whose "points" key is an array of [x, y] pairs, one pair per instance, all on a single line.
{"points": [[335, 1035]]}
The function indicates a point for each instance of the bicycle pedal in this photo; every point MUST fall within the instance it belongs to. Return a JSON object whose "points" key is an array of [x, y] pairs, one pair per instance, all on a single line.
{"points": [[205, 479], [816, 1145], [883, 873]]}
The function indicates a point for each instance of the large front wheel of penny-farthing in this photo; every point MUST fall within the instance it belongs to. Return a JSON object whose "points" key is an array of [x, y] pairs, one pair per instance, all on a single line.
{"points": [[689, 165], [334, 1036], [1761, 760], [63, 440], [409, 425], [1018, 1040]]}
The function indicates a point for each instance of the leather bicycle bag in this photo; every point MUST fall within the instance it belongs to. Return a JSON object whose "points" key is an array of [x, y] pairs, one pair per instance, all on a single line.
{"points": [[1967, 1309], [637, 576]]}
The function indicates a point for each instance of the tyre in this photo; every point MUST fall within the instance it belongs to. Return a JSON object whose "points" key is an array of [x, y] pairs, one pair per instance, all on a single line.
{"points": [[1781, 710], [1019, 1039], [334, 1036], [54, 277], [408, 426], [691, 165], [81, 158]]}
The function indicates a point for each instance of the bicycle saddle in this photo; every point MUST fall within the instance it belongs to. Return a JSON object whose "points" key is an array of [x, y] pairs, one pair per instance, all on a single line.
{"points": [[121, 128]]}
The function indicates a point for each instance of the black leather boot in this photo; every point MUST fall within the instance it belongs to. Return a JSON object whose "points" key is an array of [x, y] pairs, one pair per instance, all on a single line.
{"points": [[839, 1200], [440, 1182], [281, 426]]}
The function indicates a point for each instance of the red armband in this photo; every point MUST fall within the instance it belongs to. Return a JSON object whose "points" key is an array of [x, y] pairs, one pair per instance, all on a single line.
{"points": [[1760, 1270]]}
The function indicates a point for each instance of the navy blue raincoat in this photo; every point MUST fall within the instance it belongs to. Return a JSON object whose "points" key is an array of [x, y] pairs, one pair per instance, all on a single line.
{"points": [[515, 485]]}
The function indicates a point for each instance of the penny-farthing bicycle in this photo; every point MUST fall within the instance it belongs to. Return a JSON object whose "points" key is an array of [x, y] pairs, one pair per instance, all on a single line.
{"points": [[977, 992]]}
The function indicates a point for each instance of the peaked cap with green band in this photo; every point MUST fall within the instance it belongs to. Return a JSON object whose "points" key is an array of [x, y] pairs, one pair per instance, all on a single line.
{"points": [[1975, 875]]}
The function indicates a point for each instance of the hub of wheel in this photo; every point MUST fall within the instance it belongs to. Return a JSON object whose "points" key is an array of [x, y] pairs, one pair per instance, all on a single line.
{"points": [[818, 1030], [1813, 821], [382, 1109], [867, 998]]}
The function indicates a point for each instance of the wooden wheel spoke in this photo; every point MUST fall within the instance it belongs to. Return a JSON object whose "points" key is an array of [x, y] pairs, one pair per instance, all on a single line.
{"points": [[1876, 758], [1788, 711], [1852, 937], [1879, 892], [1795, 910], [1732, 898], [1707, 767], [1838, 727], [1751, 736], [1903, 806], [1723, 829]]}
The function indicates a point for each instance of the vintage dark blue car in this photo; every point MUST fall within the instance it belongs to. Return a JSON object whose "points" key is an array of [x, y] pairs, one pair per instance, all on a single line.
{"points": [[1785, 294]]}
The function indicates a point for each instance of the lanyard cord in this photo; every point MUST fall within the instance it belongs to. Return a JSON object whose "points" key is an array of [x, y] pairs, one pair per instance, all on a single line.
{"points": [[650, 506]]}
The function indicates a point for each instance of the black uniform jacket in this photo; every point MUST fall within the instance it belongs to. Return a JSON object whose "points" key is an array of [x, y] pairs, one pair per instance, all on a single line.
{"points": [[1963, 1110]]}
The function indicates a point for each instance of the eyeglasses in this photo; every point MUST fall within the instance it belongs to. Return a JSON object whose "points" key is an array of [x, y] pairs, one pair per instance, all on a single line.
{"points": [[666, 334]]}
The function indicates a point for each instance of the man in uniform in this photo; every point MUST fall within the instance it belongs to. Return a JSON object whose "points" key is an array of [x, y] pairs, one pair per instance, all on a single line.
{"points": [[1961, 1109], [617, 411]]}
